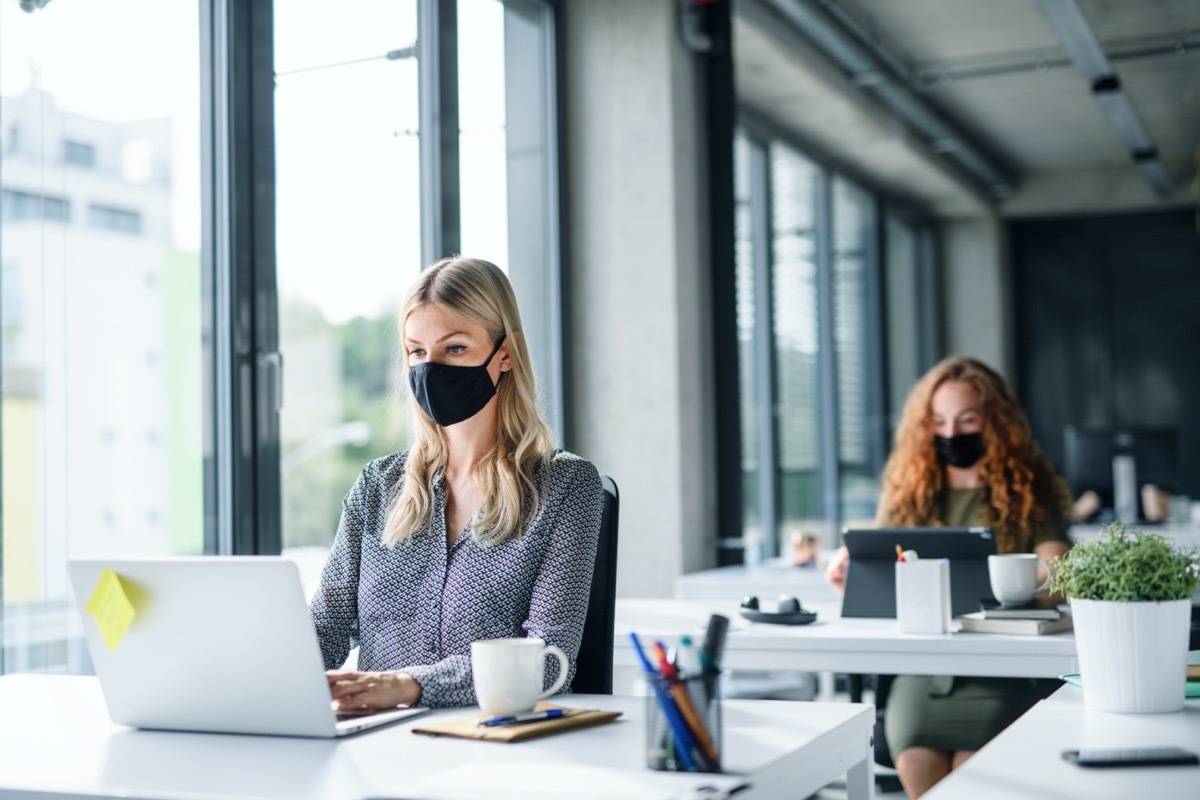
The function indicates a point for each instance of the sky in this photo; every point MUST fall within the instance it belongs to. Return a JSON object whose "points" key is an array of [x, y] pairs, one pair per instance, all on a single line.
{"points": [[348, 193]]}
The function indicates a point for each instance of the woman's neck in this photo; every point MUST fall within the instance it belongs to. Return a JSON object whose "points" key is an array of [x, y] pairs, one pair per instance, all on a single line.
{"points": [[957, 478], [470, 439]]}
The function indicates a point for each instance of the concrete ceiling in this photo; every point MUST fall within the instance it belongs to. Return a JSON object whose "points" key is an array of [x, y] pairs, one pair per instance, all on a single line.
{"points": [[999, 73]]}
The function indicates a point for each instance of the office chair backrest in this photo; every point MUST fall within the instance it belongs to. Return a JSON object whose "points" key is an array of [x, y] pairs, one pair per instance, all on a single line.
{"points": [[594, 667]]}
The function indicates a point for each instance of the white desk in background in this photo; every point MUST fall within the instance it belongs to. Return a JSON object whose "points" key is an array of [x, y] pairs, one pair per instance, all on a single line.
{"points": [[56, 741], [767, 580], [778, 576], [1025, 761], [844, 645]]}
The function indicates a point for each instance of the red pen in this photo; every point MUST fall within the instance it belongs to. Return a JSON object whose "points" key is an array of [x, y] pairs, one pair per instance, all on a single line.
{"points": [[684, 703], [900, 554]]}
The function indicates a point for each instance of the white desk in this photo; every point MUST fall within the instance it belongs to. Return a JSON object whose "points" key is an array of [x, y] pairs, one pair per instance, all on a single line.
{"points": [[767, 580], [56, 741], [845, 645], [1024, 760]]}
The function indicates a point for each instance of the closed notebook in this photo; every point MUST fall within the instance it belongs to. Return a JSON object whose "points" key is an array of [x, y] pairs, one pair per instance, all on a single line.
{"points": [[1031, 610], [977, 623], [469, 727]]}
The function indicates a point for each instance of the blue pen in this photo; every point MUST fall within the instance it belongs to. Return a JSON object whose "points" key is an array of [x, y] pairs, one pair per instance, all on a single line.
{"points": [[678, 729], [532, 716]]}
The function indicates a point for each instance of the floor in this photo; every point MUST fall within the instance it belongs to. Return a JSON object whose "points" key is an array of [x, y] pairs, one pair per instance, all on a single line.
{"points": [[837, 791]]}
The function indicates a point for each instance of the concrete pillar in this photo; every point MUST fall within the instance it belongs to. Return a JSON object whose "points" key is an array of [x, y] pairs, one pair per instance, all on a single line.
{"points": [[639, 362], [978, 302]]}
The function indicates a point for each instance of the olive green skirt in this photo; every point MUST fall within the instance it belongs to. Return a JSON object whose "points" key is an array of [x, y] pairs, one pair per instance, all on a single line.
{"points": [[945, 713]]}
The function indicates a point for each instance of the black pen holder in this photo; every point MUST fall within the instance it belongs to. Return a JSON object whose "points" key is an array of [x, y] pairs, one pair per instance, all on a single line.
{"points": [[683, 724]]}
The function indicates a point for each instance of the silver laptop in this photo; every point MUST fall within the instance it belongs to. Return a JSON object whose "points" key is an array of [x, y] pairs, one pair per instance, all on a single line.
{"points": [[218, 644]]}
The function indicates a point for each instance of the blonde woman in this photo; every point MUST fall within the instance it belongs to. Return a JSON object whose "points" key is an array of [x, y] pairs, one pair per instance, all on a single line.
{"points": [[481, 530]]}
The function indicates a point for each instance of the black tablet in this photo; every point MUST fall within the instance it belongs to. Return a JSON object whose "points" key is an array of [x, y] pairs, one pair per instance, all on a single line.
{"points": [[871, 576]]}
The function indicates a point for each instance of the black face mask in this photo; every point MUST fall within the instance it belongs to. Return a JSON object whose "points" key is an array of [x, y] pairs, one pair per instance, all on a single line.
{"points": [[449, 394], [960, 451]]}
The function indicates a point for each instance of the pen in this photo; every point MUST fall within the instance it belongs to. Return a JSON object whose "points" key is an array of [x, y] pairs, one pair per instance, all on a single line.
{"points": [[689, 660], [899, 554], [714, 641], [684, 703], [674, 721], [532, 716]]}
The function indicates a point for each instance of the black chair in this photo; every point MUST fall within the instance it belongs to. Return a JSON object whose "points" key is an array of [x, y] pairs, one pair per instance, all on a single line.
{"points": [[594, 666], [882, 685]]}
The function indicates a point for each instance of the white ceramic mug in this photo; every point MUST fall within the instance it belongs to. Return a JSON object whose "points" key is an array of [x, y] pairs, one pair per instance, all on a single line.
{"points": [[509, 674], [1014, 577]]}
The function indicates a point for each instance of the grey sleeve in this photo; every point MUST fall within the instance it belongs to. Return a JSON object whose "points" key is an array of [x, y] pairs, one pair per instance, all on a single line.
{"points": [[558, 604], [334, 607]]}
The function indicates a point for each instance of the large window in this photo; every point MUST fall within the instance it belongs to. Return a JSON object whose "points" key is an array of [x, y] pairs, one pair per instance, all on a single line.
{"points": [[349, 217], [810, 319], [100, 242], [181, 210], [348, 239], [508, 185]]}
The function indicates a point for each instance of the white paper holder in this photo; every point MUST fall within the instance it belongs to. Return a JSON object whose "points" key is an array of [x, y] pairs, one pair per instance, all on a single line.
{"points": [[923, 596]]}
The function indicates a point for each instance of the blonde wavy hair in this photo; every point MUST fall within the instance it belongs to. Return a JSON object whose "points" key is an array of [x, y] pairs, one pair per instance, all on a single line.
{"points": [[1020, 486], [506, 475]]}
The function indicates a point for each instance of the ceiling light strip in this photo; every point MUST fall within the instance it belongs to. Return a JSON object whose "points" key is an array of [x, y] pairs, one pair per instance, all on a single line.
{"points": [[1081, 44]]}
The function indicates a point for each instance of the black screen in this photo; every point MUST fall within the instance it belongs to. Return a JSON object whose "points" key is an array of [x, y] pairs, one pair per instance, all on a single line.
{"points": [[1090, 450]]}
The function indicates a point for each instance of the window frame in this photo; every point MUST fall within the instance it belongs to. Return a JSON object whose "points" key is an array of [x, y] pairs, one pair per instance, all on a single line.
{"points": [[761, 133], [245, 485]]}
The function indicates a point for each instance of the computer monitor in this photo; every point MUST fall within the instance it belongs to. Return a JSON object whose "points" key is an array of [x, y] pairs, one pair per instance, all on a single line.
{"points": [[1115, 461]]}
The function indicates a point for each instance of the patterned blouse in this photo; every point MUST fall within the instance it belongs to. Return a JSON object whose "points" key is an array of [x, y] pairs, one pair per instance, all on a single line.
{"points": [[417, 607]]}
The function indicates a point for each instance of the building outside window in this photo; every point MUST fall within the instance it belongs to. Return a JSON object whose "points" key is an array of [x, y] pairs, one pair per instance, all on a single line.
{"points": [[22, 206], [78, 154], [118, 220]]}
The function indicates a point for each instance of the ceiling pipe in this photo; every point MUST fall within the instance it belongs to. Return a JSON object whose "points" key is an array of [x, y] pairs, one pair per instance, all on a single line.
{"points": [[878, 73]]}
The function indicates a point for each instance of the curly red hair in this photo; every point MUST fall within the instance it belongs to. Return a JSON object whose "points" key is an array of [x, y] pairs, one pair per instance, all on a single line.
{"points": [[1021, 489]]}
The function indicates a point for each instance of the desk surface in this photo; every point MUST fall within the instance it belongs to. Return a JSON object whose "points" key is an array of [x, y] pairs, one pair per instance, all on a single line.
{"points": [[767, 580], [56, 739], [1024, 760], [845, 645]]}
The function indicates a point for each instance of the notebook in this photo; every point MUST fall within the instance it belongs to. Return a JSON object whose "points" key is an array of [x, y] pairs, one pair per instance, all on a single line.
{"points": [[871, 576], [469, 728], [977, 623], [990, 608], [217, 644]]}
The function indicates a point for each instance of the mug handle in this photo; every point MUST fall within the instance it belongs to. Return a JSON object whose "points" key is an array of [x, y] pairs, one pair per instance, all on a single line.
{"points": [[564, 666], [1049, 575]]}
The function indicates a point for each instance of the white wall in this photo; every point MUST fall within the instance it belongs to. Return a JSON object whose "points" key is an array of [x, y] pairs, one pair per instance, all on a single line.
{"points": [[638, 343]]}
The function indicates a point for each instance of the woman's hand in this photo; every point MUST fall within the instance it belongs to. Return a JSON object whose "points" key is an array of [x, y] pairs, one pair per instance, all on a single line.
{"points": [[371, 691], [835, 572]]}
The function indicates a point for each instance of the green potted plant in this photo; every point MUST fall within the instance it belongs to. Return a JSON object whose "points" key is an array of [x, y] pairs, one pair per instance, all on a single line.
{"points": [[1131, 596]]}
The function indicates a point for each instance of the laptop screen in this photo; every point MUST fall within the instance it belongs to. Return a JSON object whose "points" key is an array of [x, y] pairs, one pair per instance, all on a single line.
{"points": [[871, 576]]}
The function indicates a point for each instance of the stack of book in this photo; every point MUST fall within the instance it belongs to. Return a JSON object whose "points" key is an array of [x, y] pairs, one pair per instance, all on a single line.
{"points": [[1030, 619]]}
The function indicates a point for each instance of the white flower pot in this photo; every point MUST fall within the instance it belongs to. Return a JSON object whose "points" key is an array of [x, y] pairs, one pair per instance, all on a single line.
{"points": [[1132, 656]]}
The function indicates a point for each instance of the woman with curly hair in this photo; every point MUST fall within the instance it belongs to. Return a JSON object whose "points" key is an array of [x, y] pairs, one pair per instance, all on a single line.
{"points": [[964, 456]]}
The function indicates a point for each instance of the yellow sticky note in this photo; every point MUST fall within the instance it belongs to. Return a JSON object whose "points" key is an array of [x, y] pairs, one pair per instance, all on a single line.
{"points": [[111, 607]]}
